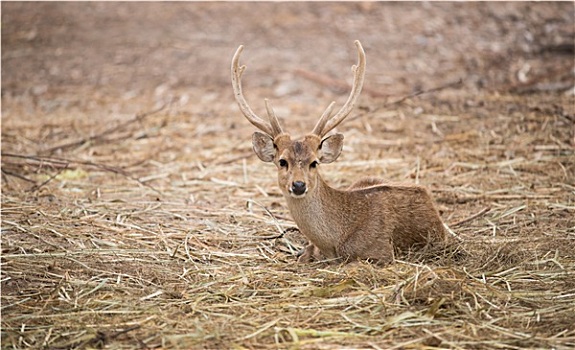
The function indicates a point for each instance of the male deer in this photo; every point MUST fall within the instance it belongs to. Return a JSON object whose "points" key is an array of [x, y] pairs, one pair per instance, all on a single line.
{"points": [[371, 219]]}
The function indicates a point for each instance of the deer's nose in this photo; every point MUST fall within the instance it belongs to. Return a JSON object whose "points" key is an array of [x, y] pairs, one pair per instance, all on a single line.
{"points": [[298, 188]]}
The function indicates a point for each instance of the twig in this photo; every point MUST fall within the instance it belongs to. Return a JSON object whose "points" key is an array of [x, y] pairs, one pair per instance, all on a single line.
{"points": [[340, 86], [18, 176], [472, 217], [276, 222], [113, 129], [421, 92], [406, 97], [66, 162], [335, 85], [118, 333], [452, 233], [37, 187]]}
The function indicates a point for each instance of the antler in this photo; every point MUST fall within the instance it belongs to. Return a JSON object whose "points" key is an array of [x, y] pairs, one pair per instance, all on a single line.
{"points": [[272, 128], [327, 123]]}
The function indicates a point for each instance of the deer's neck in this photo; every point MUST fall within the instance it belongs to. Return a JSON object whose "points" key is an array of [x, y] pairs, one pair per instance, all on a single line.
{"points": [[318, 217]]}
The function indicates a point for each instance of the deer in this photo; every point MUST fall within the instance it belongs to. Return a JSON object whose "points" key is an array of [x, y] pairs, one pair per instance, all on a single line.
{"points": [[371, 220]]}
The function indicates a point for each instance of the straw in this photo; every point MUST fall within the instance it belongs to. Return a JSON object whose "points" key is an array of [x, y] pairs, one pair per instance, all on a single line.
{"points": [[182, 239]]}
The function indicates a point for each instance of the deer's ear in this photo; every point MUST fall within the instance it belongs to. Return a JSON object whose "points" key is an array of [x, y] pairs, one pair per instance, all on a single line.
{"points": [[263, 146], [330, 148]]}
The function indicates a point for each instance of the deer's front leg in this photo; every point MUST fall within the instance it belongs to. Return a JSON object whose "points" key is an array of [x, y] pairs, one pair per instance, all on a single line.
{"points": [[310, 253]]}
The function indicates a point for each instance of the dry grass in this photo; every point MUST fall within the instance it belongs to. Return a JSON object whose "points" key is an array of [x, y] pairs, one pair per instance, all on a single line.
{"points": [[163, 230], [183, 249]]}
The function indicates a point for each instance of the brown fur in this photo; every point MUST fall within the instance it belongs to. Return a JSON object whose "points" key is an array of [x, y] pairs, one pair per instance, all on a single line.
{"points": [[370, 220]]}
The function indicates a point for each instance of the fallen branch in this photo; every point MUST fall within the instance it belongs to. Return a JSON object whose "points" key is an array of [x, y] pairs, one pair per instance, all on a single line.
{"points": [[422, 92], [472, 217], [6, 173], [64, 163], [336, 85], [104, 133], [36, 187], [406, 97]]}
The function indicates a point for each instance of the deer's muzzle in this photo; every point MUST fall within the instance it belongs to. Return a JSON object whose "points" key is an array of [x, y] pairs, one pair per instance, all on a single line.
{"points": [[298, 188]]}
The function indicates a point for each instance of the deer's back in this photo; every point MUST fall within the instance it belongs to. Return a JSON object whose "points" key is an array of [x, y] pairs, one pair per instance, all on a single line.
{"points": [[405, 213]]}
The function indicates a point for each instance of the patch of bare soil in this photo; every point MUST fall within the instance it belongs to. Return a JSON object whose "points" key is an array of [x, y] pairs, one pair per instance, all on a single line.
{"points": [[136, 216]]}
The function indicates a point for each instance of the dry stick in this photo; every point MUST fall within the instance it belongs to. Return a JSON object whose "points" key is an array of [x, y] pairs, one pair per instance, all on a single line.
{"points": [[118, 171], [37, 187], [18, 176], [82, 141], [472, 217], [421, 92], [55, 162], [336, 85], [278, 226], [340, 86], [406, 97], [66, 162], [118, 333]]}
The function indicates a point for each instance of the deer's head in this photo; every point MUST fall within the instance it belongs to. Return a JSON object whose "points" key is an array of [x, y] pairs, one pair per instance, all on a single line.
{"points": [[297, 160]]}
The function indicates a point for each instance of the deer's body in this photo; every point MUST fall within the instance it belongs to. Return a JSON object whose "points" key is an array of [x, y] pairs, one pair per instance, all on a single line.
{"points": [[375, 221], [369, 220]]}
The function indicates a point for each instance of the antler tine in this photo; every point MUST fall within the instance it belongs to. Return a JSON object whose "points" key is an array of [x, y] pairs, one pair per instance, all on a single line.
{"points": [[326, 124], [274, 122], [258, 122], [317, 130]]}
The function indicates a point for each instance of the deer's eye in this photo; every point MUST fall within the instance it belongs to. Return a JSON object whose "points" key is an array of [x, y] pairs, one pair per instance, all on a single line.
{"points": [[283, 163], [313, 164]]}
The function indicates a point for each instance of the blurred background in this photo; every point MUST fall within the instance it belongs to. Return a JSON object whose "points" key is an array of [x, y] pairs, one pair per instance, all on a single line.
{"points": [[136, 215], [118, 57]]}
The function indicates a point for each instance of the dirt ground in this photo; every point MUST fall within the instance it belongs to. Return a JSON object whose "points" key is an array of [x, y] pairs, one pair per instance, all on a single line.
{"points": [[136, 216]]}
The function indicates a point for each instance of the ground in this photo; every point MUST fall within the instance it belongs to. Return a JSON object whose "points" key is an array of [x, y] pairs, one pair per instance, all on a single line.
{"points": [[135, 214]]}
